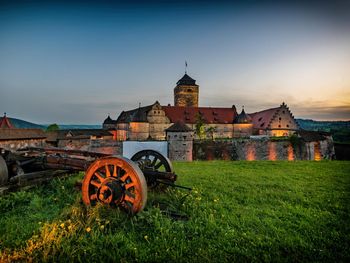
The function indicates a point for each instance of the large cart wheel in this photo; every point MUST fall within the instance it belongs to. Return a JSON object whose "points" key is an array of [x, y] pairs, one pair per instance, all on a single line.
{"points": [[115, 181], [152, 161], [3, 171]]}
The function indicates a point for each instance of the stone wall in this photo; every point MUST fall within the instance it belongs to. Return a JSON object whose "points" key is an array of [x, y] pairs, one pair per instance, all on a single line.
{"points": [[248, 149], [103, 146], [17, 144], [180, 146], [262, 149], [210, 150]]}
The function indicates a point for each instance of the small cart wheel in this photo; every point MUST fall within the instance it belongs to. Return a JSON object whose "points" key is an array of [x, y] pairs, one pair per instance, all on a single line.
{"points": [[115, 181], [150, 160]]}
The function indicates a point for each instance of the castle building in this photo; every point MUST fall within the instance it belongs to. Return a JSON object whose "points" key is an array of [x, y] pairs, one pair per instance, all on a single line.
{"points": [[150, 122], [180, 142]]}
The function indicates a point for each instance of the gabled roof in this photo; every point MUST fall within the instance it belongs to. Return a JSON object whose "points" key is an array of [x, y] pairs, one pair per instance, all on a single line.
{"points": [[136, 115], [210, 115], [262, 119], [21, 134], [179, 127], [186, 80], [5, 123]]}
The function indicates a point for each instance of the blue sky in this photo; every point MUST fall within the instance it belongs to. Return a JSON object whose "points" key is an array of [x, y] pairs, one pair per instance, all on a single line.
{"points": [[75, 63]]}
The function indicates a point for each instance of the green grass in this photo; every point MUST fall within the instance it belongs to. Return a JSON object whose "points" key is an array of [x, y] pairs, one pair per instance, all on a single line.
{"points": [[238, 211]]}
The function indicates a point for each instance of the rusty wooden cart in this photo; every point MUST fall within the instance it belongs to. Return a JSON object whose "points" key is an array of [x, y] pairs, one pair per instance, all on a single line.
{"points": [[110, 180]]}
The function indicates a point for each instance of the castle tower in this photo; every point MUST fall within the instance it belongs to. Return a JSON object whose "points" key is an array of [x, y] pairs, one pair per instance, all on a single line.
{"points": [[180, 142], [186, 92]]}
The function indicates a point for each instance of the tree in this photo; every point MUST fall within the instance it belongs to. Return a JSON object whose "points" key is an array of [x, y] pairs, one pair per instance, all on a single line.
{"points": [[200, 131], [211, 130], [53, 127]]}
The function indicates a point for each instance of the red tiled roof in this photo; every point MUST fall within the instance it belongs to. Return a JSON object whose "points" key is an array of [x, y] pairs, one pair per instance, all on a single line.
{"points": [[210, 115], [262, 119], [21, 134]]}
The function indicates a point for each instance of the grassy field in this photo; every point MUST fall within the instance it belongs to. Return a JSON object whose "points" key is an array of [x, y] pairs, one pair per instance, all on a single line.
{"points": [[237, 211]]}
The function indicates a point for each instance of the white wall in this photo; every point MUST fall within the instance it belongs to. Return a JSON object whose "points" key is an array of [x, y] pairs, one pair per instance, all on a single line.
{"points": [[132, 147]]}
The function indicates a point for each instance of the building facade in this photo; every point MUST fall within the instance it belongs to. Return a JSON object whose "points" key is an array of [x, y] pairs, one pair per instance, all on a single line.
{"points": [[150, 122]]}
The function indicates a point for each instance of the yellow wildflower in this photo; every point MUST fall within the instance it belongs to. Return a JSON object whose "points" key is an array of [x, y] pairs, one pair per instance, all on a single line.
{"points": [[88, 229], [62, 225]]}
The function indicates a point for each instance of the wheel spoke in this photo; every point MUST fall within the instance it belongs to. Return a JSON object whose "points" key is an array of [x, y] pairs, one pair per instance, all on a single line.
{"points": [[154, 161], [124, 177], [114, 171], [130, 194], [98, 175], [158, 165], [129, 185], [94, 183], [108, 172], [129, 199], [93, 197]]}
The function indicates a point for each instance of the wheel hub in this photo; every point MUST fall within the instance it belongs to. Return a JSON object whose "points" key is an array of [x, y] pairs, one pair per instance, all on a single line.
{"points": [[111, 191]]}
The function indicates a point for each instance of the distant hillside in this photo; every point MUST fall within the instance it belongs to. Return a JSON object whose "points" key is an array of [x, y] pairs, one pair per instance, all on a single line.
{"points": [[25, 124], [323, 125], [340, 130]]}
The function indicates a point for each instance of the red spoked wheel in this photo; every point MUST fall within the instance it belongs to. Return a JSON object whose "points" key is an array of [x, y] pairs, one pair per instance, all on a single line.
{"points": [[115, 181]]}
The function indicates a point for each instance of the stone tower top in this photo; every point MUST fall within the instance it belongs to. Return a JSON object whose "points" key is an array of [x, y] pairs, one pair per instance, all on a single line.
{"points": [[186, 92]]}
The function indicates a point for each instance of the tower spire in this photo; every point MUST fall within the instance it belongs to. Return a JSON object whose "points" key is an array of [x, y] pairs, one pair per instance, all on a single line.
{"points": [[185, 67]]}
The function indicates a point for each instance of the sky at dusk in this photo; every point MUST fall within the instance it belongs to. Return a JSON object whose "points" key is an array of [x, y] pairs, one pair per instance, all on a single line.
{"points": [[75, 62]]}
